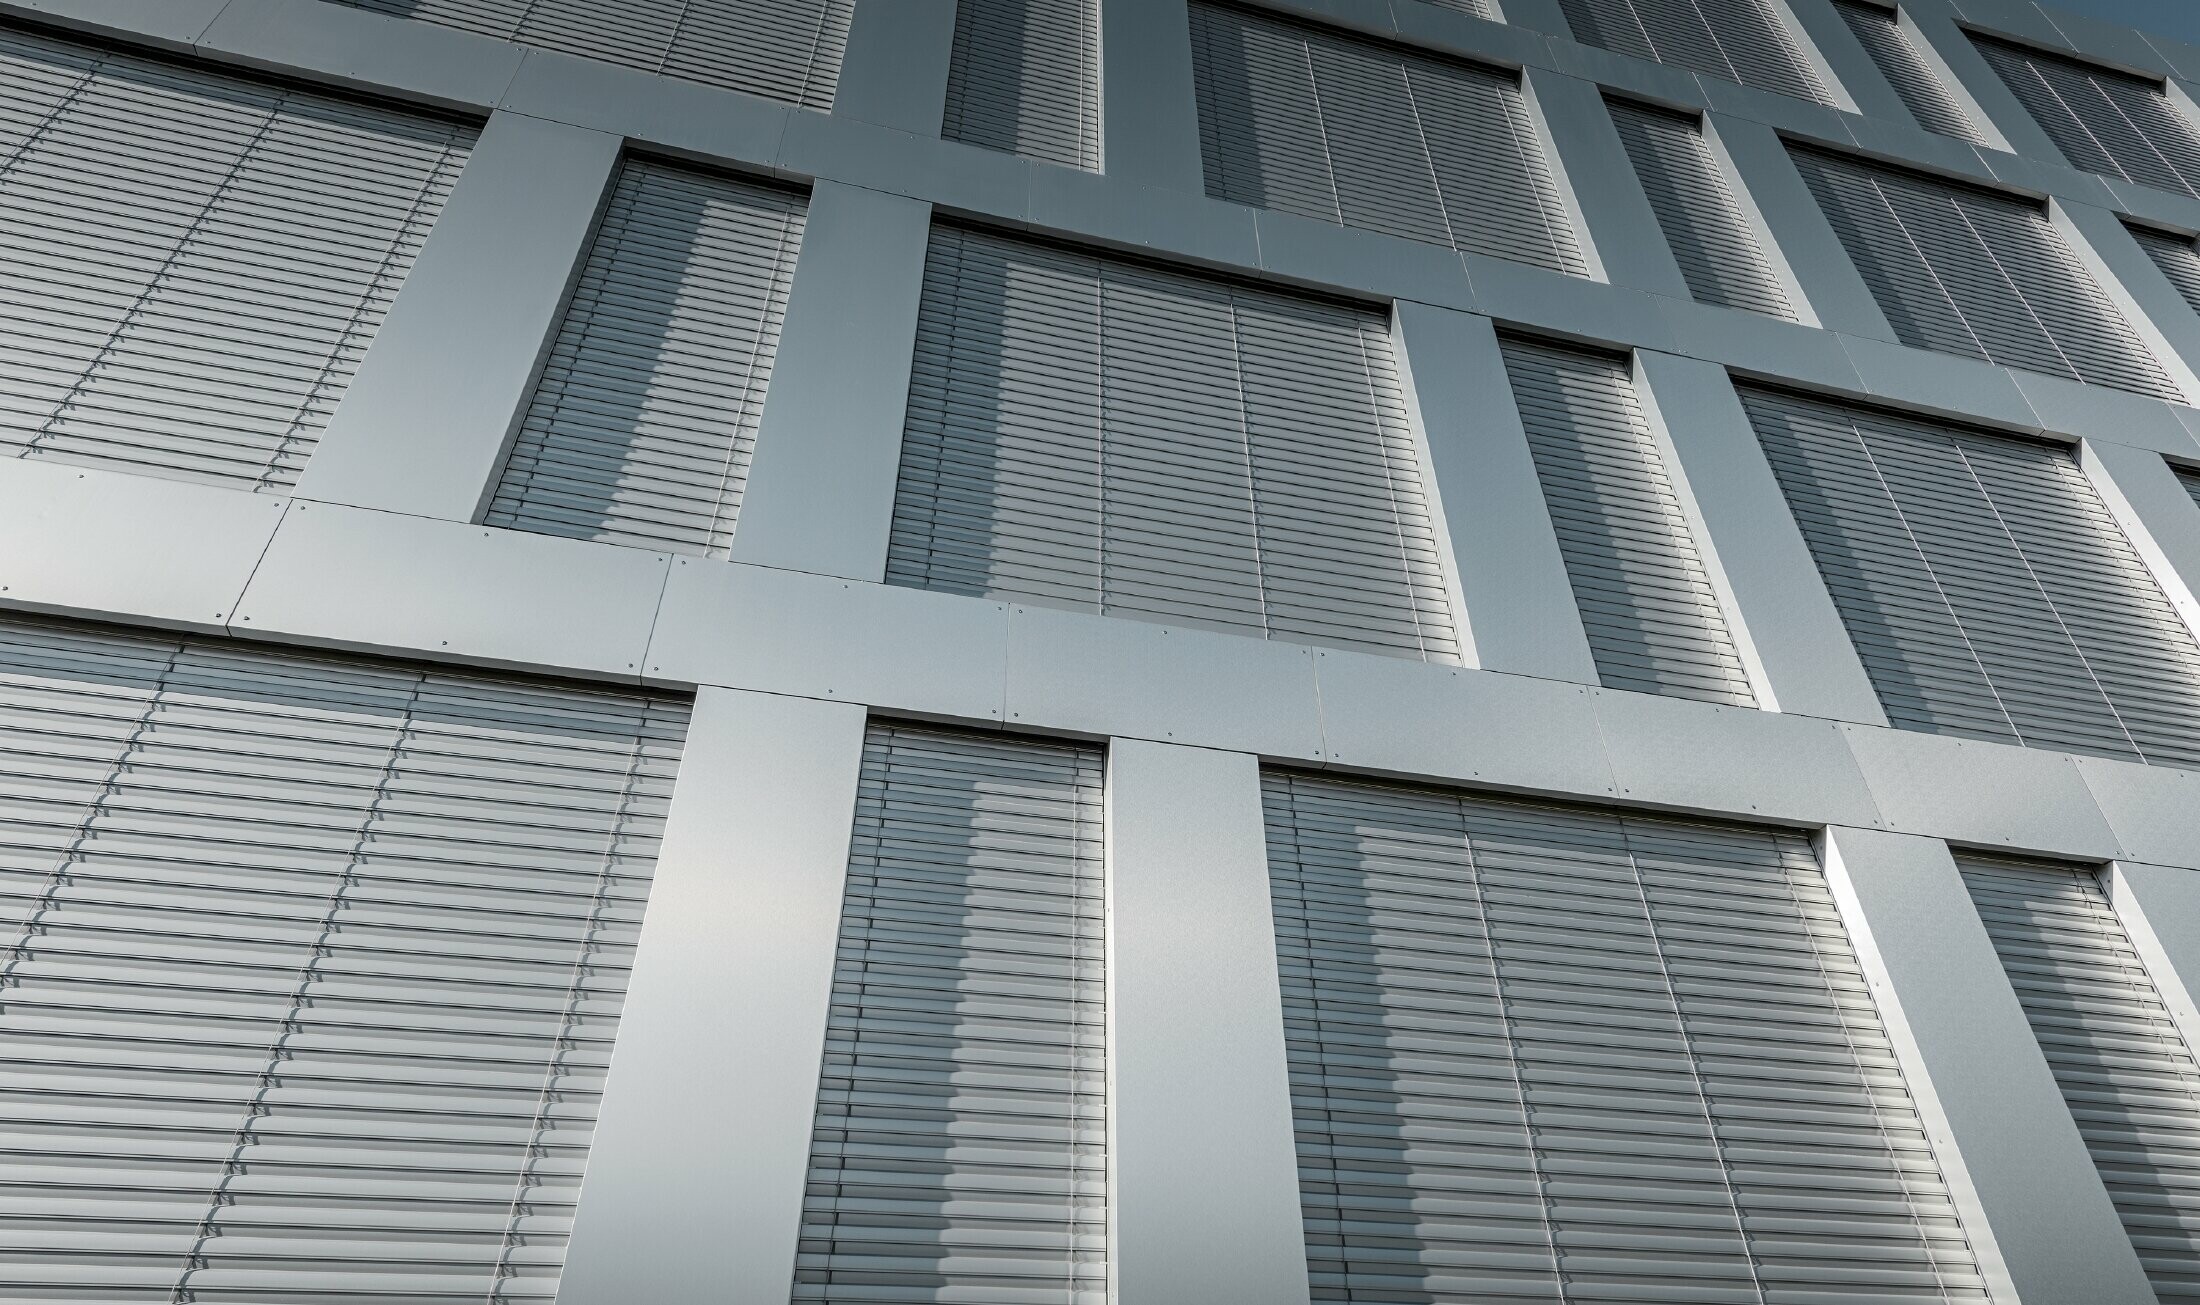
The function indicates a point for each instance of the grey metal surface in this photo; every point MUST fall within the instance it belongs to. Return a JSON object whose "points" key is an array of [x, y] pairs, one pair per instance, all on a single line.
{"points": [[1025, 77]]}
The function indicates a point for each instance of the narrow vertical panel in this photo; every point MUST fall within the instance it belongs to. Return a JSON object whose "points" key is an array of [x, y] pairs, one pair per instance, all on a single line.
{"points": [[1929, 101], [1025, 78], [1204, 1174], [643, 423], [1717, 253], [2102, 120], [961, 1144], [1740, 40]]}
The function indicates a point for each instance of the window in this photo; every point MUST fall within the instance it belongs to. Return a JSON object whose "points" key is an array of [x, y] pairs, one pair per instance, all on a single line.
{"points": [[1549, 1053], [1914, 80], [1987, 588], [189, 297], [1311, 121], [2102, 120], [961, 1143], [1026, 78], [642, 425], [785, 49], [1119, 438], [354, 937], [2125, 1071], [1717, 252], [1740, 40], [1646, 604], [1978, 274], [2177, 258]]}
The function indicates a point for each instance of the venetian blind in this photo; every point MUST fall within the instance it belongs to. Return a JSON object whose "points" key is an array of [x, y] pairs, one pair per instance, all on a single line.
{"points": [[1987, 588], [2102, 120], [641, 428], [314, 966], [2177, 257], [1025, 77], [1740, 40], [960, 1152], [1914, 80], [1703, 224], [1120, 438], [194, 264]]}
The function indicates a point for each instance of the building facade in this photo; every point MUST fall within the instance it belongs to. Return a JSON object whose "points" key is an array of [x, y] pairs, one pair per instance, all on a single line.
{"points": [[1043, 652]]}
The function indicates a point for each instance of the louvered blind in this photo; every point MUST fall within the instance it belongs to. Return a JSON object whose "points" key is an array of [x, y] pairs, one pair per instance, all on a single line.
{"points": [[194, 264], [314, 966], [1978, 274], [1120, 438], [1718, 254], [2130, 1080], [2177, 258], [961, 1144], [2190, 477], [1914, 81], [1987, 588], [1540, 1053], [2102, 120], [1646, 604], [785, 49], [1740, 40], [1311, 121], [641, 427], [1025, 78], [1478, 8]]}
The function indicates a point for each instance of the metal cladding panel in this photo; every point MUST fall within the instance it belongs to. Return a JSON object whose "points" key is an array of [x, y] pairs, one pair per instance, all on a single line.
{"points": [[1312, 121], [2178, 259], [1647, 606], [786, 50], [194, 263], [1541, 1053], [1978, 274], [642, 425], [1988, 591], [1025, 78], [315, 969], [1703, 224], [2102, 120], [1740, 40], [1914, 81], [1119, 438], [960, 1152], [2131, 1082]]}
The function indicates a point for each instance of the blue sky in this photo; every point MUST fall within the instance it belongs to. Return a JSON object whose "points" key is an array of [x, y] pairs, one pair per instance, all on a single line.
{"points": [[2178, 18]]}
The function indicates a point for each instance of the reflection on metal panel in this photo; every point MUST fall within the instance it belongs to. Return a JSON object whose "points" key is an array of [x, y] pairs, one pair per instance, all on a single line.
{"points": [[1741, 40], [1717, 252], [2102, 120], [960, 1152], [1977, 274], [2131, 1082], [1124, 439], [1026, 78], [1920, 88], [1312, 121], [315, 966], [641, 428], [1652, 619], [1987, 588], [1545, 1053], [785, 49], [193, 263]]}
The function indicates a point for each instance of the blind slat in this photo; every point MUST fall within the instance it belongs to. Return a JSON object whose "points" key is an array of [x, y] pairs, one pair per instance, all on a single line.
{"points": [[1025, 78], [1718, 254], [2102, 120], [1740, 40], [1920, 88]]}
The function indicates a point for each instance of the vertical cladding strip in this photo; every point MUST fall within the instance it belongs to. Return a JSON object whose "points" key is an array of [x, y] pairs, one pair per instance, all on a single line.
{"points": [[1717, 252], [641, 428], [2102, 120], [1652, 619], [1984, 583], [355, 935], [1978, 274], [2131, 1082], [1316, 122], [1740, 40], [1118, 438], [961, 1142], [195, 263], [1543, 1053], [786, 50], [2178, 258], [1025, 78], [1928, 99]]}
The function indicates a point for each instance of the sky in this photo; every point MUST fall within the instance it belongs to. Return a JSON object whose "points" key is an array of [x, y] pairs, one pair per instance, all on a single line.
{"points": [[2178, 18]]}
